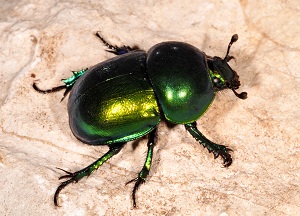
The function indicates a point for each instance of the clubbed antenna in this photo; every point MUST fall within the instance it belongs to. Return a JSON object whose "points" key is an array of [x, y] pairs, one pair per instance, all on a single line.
{"points": [[242, 95], [234, 38]]}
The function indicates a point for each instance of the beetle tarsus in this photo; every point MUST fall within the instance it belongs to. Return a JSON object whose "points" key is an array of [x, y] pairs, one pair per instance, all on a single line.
{"points": [[76, 176], [69, 82], [227, 159], [47, 91], [138, 181], [223, 152], [60, 187], [216, 149], [147, 165], [54, 89], [64, 170], [115, 49]]}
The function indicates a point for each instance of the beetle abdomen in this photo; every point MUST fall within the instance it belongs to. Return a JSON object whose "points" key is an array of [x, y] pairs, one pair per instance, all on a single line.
{"points": [[113, 101], [181, 82]]}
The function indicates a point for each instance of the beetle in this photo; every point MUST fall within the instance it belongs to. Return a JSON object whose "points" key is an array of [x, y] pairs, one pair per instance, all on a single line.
{"points": [[125, 97]]}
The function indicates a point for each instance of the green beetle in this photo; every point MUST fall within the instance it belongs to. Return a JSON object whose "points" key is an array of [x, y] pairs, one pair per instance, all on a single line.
{"points": [[124, 98]]}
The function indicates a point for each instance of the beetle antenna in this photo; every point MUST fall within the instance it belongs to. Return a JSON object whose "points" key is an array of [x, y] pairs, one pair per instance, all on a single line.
{"points": [[234, 38], [242, 95]]}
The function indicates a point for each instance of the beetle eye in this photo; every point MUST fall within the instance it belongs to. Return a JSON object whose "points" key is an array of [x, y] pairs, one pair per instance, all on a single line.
{"points": [[217, 80], [218, 83]]}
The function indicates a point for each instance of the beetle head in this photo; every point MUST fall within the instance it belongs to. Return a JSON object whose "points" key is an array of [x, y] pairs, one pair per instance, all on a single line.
{"points": [[223, 77]]}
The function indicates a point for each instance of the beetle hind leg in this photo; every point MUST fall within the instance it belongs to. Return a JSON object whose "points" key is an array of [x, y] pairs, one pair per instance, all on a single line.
{"points": [[69, 82], [147, 165], [115, 49], [216, 149], [76, 176]]}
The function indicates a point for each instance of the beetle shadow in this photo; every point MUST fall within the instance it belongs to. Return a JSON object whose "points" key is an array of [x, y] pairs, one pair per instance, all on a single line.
{"points": [[135, 143]]}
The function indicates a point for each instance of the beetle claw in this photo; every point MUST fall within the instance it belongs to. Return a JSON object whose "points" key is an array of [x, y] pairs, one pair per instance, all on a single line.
{"points": [[227, 160], [60, 187], [70, 174], [228, 149], [73, 178], [138, 181]]}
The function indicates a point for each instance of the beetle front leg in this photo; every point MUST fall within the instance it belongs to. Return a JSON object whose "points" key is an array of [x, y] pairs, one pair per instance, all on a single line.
{"points": [[76, 176], [216, 149], [147, 165]]}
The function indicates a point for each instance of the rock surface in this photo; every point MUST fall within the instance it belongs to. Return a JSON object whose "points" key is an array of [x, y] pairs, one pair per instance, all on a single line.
{"points": [[44, 40]]}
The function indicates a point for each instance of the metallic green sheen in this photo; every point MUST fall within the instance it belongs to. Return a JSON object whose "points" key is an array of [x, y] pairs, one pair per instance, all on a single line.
{"points": [[113, 101], [71, 80], [181, 81]]}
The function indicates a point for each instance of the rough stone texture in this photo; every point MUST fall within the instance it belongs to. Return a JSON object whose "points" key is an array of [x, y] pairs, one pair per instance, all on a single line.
{"points": [[43, 40]]}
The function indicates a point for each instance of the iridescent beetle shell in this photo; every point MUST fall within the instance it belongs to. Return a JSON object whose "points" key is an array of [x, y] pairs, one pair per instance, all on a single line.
{"points": [[124, 98]]}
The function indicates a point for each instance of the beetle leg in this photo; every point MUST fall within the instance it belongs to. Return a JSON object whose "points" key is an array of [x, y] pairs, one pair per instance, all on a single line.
{"points": [[76, 176], [69, 82], [54, 89], [216, 149], [115, 49], [147, 165]]}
